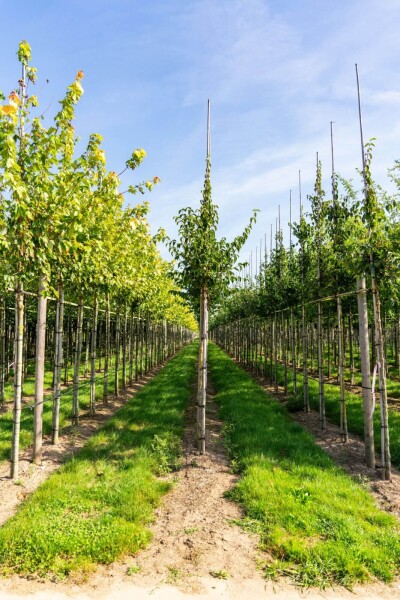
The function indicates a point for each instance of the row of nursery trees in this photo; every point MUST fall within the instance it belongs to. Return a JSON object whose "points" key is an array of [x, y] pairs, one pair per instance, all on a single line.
{"points": [[335, 288], [66, 236]]}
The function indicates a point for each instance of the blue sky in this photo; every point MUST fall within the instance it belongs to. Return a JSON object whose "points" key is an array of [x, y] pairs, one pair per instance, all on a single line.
{"points": [[277, 72]]}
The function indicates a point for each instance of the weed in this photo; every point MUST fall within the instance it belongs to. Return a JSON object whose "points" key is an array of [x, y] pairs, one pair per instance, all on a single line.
{"points": [[133, 570], [167, 448], [221, 574], [190, 530], [173, 575]]}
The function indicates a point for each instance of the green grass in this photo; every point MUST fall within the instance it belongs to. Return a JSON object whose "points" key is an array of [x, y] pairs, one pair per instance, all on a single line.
{"points": [[97, 507], [26, 435], [320, 526], [354, 409]]}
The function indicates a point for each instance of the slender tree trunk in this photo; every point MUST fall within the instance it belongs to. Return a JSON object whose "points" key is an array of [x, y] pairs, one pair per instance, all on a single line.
{"points": [[93, 358], [366, 374], [67, 347], [351, 349], [106, 351], [343, 416], [284, 353], [58, 364], [202, 378], [18, 352], [2, 349], [117, 349], [87, 348], [130, 347], [39, 372], [322, 415], [124, 347], [293, 344], [305, 370], [77, 364], [380, 354], [329, 347]]}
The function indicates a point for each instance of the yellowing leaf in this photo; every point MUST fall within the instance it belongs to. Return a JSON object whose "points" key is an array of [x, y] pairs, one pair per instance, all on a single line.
{"points": [[14, 99], [9, 109]]}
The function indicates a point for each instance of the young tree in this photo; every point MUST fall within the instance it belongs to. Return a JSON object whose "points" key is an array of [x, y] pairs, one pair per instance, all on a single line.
{"points": [[206, 267]]}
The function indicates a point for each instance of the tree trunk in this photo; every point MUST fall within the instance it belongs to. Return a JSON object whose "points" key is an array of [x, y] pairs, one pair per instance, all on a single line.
{"points": [[93, 358], [117, 348], [202, 378], [2, 349], [322, 415], [380, 354], [77, 364], [39, 372], [58, 363], [305, 371], [18, 351], [293, 345], [366, 374], [343, 416], [106, 351]]}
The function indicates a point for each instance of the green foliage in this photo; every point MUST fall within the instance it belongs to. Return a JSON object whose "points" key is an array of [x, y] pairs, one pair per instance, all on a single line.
{"points": [[62, 214], [96, 509], [205, 262], [319, 525], [343, 237]]}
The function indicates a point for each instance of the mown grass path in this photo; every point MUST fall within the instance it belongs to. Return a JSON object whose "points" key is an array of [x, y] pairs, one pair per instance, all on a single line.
{"points": [[97, 507], [320, 526]]}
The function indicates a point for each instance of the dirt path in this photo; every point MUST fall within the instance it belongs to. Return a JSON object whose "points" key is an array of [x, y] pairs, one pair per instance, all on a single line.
{"points": [[193, 535], [72, 439]]}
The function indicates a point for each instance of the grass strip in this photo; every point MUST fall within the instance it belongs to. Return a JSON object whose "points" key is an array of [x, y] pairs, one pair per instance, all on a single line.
{"points": [[320, 526], [97, 507], [354, 410], [26, 434]]}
